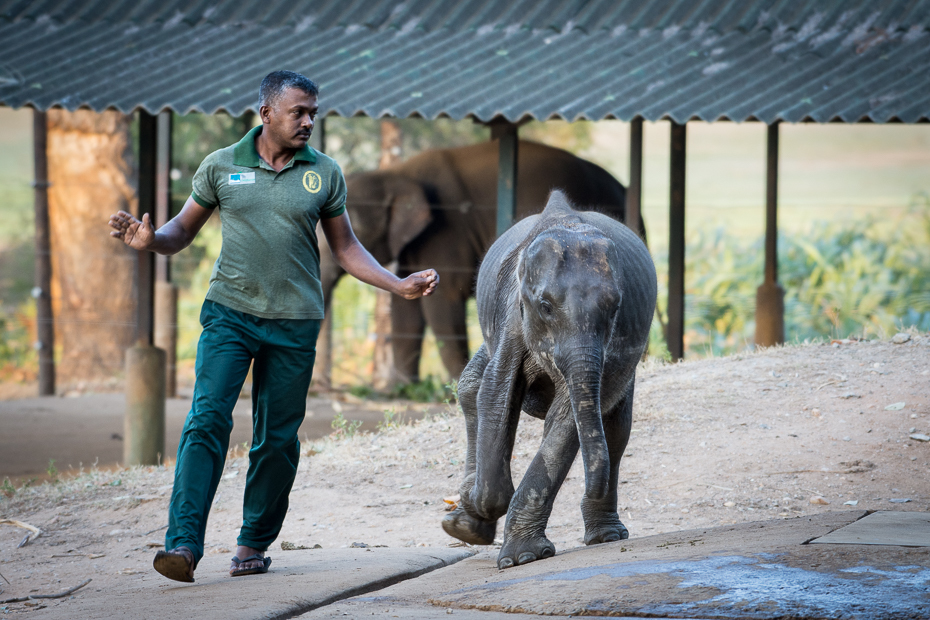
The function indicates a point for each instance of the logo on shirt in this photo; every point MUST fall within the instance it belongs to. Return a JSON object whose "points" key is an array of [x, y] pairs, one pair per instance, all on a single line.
{"points": [[242, 178], [312, 182]]}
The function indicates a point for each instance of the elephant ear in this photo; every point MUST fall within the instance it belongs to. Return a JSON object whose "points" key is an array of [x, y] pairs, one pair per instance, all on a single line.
{"points": [[410, 213]]}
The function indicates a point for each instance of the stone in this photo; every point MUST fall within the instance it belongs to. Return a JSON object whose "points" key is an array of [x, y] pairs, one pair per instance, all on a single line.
{"points": [[901, 338], [819, 500]]}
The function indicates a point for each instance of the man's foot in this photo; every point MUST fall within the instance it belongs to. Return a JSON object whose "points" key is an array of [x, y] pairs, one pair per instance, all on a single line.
{"points": [[177, 564], [248, 561]]}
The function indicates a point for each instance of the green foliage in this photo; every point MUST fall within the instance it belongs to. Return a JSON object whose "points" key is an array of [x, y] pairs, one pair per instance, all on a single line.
{"points": [[7, 488], [865, 277], [392, 419], [452, 388], [18, 358], [362, 391], [428, 390], [51, 470], [345, 428]]}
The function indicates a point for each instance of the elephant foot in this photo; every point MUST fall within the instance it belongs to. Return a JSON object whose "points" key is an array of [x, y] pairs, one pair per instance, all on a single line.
{"points": [[606, 533], [459, 524], [517, 551]]}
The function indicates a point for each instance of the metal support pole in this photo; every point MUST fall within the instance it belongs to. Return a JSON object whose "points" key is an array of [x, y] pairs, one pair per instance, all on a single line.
{"points": [[634, 190], [144, 421], [676, 245], [162, 187], [323, 367], [770, 297], [145, 261], [45, 322], [506, 174], [165, 331]]}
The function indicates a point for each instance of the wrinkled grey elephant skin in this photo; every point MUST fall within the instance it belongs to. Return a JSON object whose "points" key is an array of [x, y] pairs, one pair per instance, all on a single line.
{"points": [[438, 210], [565, 301]]}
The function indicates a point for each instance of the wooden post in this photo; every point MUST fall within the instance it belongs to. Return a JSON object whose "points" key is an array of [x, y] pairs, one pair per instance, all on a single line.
{"points": [[383, 368], [507, 134], [676, 245], [323, 366], [165, 330], [634, 190], [45, 324], [144, 421], [770, 297]]}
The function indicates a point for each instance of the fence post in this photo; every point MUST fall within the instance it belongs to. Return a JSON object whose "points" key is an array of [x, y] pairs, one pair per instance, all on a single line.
{"points": [[42, 291], [634, 190], [144, 421], [676, 245], [770, 297]]}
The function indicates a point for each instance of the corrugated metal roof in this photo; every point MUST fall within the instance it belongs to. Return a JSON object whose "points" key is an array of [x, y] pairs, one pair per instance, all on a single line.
{"points": [[768, 60]]}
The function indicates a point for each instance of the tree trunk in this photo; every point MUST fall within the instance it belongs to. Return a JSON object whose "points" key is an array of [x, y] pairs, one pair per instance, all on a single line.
{"points": [[91, 177], [383, 373]]}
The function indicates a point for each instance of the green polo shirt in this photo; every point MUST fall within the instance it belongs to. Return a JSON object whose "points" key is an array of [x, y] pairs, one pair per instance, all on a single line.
{"points": [[269, 265]]}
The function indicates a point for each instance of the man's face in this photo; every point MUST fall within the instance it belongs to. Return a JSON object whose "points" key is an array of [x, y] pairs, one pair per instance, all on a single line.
{"points": [[289, 122]]}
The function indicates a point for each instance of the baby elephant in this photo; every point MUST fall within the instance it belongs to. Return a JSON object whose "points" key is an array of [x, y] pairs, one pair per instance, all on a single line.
{"points": [[565, 300]]}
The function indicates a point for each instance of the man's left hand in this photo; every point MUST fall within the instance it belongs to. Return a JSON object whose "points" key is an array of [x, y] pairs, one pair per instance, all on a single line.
{"points": [[419, 284]]}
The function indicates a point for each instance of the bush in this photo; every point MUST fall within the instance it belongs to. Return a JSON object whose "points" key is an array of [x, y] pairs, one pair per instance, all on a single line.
{"points": [[858, 278]]}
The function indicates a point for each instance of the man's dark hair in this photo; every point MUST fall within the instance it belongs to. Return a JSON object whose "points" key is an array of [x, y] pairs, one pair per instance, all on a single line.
{"points": [[276, 82]]}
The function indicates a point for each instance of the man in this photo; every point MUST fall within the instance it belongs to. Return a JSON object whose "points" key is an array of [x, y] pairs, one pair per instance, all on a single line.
{"points": [[264, 304]]}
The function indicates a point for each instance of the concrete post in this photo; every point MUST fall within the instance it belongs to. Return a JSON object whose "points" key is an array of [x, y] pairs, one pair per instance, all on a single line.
{"points": [[144, 422], [166, 331]]}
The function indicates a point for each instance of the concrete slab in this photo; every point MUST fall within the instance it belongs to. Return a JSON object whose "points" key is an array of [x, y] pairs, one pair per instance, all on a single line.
{"points": [[757, 570], [374, 606], [886, 527], [298, 581]]}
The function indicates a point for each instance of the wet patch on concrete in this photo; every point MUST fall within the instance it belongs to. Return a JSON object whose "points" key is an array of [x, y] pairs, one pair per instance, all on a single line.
{"points": [[732, 586]]}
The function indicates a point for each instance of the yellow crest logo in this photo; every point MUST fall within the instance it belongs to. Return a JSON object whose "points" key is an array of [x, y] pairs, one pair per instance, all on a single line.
{"points": [[312, 182]]}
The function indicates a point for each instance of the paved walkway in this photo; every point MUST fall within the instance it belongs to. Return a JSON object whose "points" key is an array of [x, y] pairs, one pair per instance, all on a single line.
{"points": [[757, 571]]}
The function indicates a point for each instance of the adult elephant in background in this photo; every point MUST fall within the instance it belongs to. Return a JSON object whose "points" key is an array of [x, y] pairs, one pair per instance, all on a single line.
{"points": [[438, 209]]}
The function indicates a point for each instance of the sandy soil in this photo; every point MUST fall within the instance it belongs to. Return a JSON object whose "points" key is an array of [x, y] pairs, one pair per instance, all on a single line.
{"points": [[775, 434]]}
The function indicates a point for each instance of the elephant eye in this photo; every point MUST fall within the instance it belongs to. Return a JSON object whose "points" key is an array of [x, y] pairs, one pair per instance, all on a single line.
{"points": [[546, 307]]}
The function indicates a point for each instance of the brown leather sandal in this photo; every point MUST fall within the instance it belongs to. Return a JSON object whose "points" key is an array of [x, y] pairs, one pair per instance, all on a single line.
{"points": [[176, 564]]}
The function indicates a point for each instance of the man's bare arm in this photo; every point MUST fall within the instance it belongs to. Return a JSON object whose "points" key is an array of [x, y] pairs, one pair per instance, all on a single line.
{"points": [[357, 261], [171, 238]]}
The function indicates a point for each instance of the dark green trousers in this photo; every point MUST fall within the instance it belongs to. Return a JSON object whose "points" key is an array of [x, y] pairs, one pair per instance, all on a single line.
{"points": [[283, 351]]}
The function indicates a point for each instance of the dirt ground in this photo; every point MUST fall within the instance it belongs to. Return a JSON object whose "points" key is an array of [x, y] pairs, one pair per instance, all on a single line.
{"points": [[779, 433]]}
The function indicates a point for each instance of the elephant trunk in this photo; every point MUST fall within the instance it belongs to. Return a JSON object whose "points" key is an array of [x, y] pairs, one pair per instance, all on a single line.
{"points": [[582, 370]]}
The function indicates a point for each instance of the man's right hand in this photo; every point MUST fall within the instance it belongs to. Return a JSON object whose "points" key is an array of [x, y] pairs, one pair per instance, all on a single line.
{"points": [[137, 235]]}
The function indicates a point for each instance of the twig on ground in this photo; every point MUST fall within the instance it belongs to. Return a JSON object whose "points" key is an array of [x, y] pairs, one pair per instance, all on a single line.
{"points": [[825, 385], [716, 486], [671, 484], [38, 596], [806, 471], [156, 529], [34, 531], [5, 579]]}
